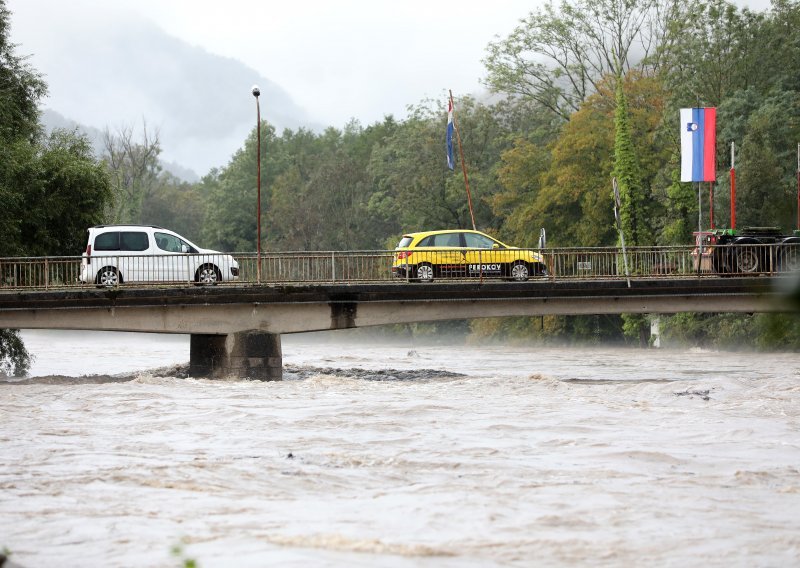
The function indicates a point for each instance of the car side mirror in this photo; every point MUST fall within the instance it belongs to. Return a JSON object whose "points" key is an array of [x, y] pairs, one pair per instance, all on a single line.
{"points": [[184, 248], [495, 246]]}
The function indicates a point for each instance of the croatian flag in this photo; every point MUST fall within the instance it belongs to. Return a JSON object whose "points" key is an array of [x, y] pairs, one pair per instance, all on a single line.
{"points": [[699, 144], [450, 161]]}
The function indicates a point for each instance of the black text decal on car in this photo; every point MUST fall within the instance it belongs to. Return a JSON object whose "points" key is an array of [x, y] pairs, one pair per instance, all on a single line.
{"points": [[484, 268]]}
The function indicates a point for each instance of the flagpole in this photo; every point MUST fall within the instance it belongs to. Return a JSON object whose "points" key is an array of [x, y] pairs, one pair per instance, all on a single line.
{"points": [[711, 205], [699, 228], [463, 165], [733, 185]]}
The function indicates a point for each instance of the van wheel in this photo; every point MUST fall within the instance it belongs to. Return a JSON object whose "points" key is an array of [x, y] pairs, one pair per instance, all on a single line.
{"points": [[108, 276], [207, 275]]}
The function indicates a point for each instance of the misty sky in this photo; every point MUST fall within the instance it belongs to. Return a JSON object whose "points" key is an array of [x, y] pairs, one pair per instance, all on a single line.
{"points": [[336, 59], [324, 61]]}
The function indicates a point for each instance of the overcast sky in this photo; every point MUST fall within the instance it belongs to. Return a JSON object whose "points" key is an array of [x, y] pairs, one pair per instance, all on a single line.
{"points": [[334, 59], [337, 59]]}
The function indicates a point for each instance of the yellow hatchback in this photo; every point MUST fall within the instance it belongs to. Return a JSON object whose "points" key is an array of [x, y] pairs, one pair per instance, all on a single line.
{"points": [[463, 254]]}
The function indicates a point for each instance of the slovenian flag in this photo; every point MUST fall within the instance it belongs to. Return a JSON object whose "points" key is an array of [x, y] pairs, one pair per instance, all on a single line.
{"points": [[450, 161], [699, 144]]}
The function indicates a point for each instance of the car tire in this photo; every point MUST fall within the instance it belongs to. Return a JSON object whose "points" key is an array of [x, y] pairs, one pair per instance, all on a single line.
{"points": [[424, 272], [207, 275], [519, 271], [108, 277]]}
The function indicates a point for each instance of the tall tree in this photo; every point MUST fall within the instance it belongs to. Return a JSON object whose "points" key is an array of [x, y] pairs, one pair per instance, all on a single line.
{"points": [[51, 188], [559, 55], [134, 169]]}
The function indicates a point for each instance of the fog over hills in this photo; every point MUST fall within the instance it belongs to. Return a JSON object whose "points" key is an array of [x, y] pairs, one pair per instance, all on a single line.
{"points": [[124, 72]]}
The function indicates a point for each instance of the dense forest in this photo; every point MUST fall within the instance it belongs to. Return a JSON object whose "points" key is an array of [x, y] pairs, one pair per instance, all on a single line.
{"points": [[580, 91]]}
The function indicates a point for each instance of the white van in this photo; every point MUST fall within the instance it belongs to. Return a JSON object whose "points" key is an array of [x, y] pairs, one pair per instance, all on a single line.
{"points": [[143, 253]]}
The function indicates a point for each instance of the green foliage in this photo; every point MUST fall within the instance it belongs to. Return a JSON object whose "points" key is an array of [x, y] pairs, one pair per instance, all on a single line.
{"points": [[733, 331], [560, 54], [14, 358], [51, 189], [133, 168], [21, 88], [629, 176]]}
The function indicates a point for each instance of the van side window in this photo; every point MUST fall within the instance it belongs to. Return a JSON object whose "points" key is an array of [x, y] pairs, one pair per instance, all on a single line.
{"points": [[133, 240], [107, 241]]}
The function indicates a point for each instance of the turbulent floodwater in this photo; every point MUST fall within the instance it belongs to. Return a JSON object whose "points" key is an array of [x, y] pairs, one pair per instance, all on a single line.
{"points": [[401, 456]]}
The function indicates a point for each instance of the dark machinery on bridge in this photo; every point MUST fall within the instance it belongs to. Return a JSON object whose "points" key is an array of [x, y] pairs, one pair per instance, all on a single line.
{"points": [[751, 250]]}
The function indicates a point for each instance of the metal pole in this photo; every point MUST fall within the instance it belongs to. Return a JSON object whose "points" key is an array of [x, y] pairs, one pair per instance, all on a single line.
{"points": [[733, 186], [798, 187], [699, 229], [463, 165], [711, 204], [256, 93]]}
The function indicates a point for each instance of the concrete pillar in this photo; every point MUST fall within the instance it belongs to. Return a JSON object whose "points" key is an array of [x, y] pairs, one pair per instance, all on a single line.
{"points": [[246, 355]]}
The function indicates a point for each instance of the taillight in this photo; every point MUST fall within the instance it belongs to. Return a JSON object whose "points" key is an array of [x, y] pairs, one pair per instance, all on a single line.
{"points": [[88, 250], [403, 254]]}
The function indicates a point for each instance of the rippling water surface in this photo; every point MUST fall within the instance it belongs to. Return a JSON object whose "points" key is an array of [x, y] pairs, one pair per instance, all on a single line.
{"points": [[401, 456]]}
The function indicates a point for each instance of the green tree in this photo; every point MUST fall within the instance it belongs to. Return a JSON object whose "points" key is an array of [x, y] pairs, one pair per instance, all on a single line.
{"points": [[134, 170], [560, 55], [51, 189]]}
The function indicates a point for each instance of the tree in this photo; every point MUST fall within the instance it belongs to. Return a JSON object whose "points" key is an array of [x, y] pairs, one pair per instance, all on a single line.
{"points": [[134, 169], [628, 175], [21, 88], [558, 56], [51, 188]]}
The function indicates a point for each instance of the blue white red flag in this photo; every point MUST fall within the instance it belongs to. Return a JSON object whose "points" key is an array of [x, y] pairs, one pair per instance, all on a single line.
{"points": [[450, 124], [699, 144]]}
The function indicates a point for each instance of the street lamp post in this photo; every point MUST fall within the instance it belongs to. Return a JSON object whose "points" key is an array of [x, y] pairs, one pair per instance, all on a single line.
{"points": [[256, 92]]}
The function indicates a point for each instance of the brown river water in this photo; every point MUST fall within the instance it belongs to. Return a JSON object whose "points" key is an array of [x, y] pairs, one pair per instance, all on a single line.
{"points": [[401, 455]]}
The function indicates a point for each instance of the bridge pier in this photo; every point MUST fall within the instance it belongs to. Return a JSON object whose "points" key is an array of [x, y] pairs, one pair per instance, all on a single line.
{"points": [[246, 355]]}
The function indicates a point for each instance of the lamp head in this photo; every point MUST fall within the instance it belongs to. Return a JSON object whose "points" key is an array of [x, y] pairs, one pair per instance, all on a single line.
{"points": [[256, 91]]}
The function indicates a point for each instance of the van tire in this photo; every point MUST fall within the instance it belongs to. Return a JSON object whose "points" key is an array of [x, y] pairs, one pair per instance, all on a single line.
{"points": [[108, 277], [207, 275]]}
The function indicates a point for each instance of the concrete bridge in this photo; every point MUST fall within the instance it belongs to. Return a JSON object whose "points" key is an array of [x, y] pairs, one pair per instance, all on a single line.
{"points": [[235, 330]]}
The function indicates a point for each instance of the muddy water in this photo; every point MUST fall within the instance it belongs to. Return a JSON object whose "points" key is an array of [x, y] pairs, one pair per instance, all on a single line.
{"points": [[402, 456]]}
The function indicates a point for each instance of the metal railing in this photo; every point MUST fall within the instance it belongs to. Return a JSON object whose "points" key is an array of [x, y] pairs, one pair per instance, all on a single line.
{"points": [[325, 267]]}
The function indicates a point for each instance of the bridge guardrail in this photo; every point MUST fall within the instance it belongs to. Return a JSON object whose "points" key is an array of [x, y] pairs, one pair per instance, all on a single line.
{"points": [[324, 267]]}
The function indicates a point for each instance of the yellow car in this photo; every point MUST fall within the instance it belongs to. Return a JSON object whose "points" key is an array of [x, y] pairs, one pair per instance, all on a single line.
{"points": [[463, 254]]}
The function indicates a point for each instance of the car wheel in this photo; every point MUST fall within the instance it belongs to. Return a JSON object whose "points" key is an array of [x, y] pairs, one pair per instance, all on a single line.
{"points": [[747, 259], [425, 272], [520, 271], [207, 275], [108, 276]]}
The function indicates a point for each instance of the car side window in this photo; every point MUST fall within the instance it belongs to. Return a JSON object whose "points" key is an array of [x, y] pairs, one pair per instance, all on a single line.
{"points": [[107, 241], [447, 240], [478, 241], [426, 242], [133, 241]]}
